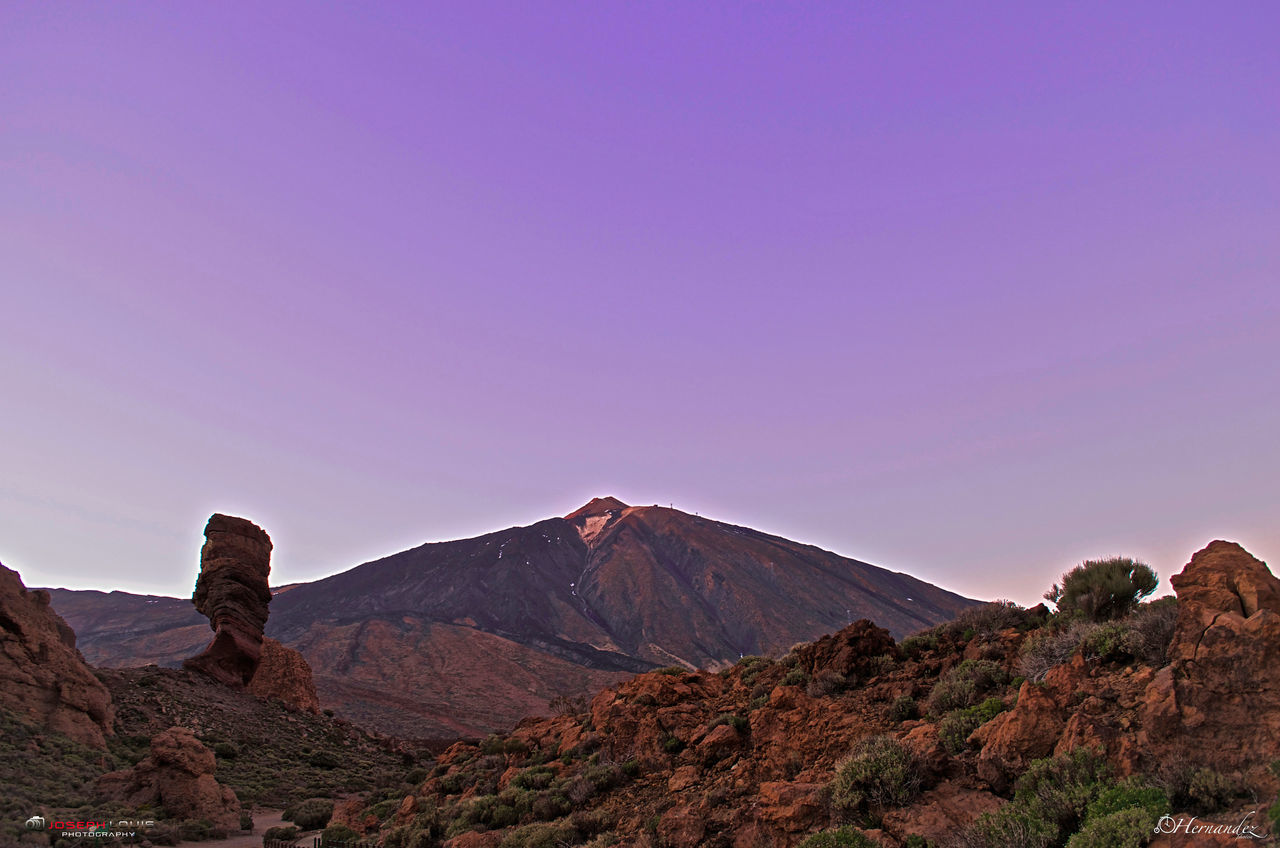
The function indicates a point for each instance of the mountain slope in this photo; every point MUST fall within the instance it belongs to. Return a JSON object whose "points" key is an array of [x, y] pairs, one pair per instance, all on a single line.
{"points": [[470, 635]]}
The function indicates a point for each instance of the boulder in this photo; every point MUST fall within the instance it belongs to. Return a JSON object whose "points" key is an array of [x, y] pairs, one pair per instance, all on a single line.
{"points": [[233, 592], [849, 652], [42, 675], [284, 675], [1218, 701], [940, 814], [1011, 740], [177, 775]]}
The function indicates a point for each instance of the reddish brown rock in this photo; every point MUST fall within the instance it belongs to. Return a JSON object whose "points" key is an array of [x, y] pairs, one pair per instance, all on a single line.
{"points": [[1218, 702], [792, 807], [177, 775], [233, 592], [682, 827], [940, 814], [42, 675], [850, 651], [1011, 740], [284, 675]]}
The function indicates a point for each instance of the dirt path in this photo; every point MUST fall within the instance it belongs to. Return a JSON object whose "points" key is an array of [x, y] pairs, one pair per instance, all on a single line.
{"points": [[262, 819]]}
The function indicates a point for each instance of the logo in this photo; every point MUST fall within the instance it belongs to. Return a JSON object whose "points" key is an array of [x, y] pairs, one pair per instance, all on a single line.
{"points": [[35, 823]]}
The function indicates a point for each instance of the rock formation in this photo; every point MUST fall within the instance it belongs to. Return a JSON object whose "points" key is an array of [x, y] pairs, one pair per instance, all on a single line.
{"points": [[232, 591], [284, 675], [1219, 698], [42, 675], [177, 775]]}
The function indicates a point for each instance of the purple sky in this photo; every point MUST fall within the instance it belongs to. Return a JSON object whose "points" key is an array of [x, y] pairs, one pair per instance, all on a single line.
{"points": [[973, 291]]}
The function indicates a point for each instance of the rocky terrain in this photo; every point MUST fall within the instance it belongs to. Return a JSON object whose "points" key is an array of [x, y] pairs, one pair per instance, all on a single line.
{"points": [[469, 636], [42, 675], [1006, 727]]}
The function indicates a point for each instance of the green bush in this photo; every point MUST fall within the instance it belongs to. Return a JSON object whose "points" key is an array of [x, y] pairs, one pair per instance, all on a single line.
{"points": [[1103, 589], [842, 837], [1210, 792], [672, 744], [246, 820], [541, 836], [965, 685], [283, 833], [955, 727], [226, 750], [1122, 829], [915, 645], [324, 760], [904, 708], [338, 835], [537, 777], [796, 677], [673, 670], [1008, 827], [880, 773], [737, 722], [1059, 790], [311, 814]]}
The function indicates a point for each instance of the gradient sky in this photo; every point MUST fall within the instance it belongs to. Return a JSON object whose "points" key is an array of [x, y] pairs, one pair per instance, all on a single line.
{"points": [[969, 290]]}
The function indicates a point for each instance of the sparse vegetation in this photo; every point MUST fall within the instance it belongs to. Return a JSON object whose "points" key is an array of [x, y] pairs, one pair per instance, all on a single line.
{"points": [[957, 725], [904, 708], [965, 685], [841, 837], [880, 773]]}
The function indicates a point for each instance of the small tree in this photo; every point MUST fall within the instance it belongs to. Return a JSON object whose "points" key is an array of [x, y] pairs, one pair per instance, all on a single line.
{"points": [[1103, 589]]}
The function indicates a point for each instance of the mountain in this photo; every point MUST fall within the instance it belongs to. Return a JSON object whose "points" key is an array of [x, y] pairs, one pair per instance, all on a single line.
{"points": [[468, 636]]}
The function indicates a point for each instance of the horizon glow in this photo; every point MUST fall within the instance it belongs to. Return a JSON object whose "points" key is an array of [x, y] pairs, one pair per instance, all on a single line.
{"points": [[970, 294]]}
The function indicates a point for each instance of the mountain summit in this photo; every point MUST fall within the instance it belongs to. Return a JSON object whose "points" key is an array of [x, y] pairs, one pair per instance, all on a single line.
{"points": [[470, 635]]}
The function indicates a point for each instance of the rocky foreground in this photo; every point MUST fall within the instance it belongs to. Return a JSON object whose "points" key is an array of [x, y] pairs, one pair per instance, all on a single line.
{"points": [[1003, 728]]}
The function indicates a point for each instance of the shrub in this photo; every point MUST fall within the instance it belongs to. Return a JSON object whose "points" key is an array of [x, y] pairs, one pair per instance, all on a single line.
{"points": [[1132, 827], [880, 773], [541, 836], [672, 744], [226, 750], [796, 677], [1151, 629], [904, 708], [1007, 827], [955, 727], [246, 820], [537, 777], [1209, 792], [1103, 589], [338, 834], [964, 685], [987, 620], [826, 682], [673, 670], [915, 645], [311, 814], [324, 760], [752, 667], [568, 704], [1058, 790], [737, 722], [284, 833], [842, 837], [1047, 648]]}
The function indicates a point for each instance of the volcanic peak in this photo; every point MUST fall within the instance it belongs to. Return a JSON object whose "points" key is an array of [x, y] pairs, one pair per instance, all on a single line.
{"points": [[596, 507]]}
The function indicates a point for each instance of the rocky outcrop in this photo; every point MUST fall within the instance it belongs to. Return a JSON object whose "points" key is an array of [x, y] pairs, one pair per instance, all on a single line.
{"points": [[1219, 699], [178, 775], [284, 675], [42, 675], [233, 592]]}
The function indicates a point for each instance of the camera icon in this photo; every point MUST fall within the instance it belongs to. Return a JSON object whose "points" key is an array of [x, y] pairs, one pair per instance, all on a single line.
{"points": [[35, 823]]}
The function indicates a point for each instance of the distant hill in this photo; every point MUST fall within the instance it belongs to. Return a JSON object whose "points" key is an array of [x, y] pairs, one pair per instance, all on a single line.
{"points": [[468, 636]]}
